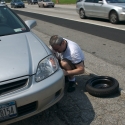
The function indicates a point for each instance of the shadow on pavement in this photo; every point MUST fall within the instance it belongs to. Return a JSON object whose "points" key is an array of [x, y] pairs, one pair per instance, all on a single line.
{"points": [[73, 109]]}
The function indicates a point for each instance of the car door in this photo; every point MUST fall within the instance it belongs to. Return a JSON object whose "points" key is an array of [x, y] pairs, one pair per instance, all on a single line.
{"points": [[88, 7], [99, 8]]}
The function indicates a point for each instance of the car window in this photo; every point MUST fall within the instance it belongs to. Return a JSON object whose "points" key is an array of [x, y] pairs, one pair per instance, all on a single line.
{"points": [[90, 1], [115, 1], [97, 1], [10, 23], [46, 0], [17, 1]]}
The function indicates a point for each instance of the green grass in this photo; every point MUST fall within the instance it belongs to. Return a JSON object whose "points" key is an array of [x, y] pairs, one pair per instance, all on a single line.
{"points": [[60, 1], [65, 1]]}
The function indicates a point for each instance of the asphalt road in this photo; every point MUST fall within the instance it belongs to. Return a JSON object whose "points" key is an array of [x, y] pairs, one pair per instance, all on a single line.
{"points": [[69, 12], [80, 108], [104, 52]]}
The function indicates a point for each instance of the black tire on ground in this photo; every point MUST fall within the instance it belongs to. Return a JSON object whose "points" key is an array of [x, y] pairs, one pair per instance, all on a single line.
{"points": [[102, 86], [113, 17], [82, 14]]}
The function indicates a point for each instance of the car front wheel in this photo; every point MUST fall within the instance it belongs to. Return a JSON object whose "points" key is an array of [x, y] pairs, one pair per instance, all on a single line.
{"points": [[38, 5], [113, 17], [82, 14]]}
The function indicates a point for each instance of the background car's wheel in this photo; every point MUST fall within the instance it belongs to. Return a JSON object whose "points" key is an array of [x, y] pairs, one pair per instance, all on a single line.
{"points": [[53, 6], [82, 14], [102, 86], [38, 5], [113, 17]]}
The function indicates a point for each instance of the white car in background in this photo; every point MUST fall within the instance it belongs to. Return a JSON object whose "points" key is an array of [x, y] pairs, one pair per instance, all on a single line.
{"points": [[45, 3], [2, 2], [114, 10]]}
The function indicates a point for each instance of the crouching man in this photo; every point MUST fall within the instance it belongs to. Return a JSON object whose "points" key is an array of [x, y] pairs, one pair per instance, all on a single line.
{"points": [[70, 56]]}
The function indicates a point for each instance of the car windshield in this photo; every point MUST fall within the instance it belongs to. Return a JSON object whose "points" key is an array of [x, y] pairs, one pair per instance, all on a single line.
{"points": [[10, 23], [115, 1], [46, 0], [17, 1]]}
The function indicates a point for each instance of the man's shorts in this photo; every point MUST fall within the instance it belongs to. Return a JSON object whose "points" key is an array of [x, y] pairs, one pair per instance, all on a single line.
{"points": [[69, 62]]}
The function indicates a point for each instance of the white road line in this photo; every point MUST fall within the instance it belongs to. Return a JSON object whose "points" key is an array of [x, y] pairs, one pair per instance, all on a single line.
{"points": [[77, 20]]}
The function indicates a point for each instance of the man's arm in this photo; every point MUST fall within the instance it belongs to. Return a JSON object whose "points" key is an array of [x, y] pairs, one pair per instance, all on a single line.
{"points": [[79, 70]]}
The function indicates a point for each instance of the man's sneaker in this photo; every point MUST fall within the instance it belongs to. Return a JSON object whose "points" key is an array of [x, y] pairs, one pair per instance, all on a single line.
{"points": [[71, 86]]}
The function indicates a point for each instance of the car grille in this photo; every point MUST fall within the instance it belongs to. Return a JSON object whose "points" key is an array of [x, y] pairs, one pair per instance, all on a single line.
{"points": [[25, 109], [12, 86]]}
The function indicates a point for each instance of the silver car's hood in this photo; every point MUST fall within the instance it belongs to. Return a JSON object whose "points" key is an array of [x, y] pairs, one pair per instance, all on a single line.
{"points": [[20, 55], [118, 4]]}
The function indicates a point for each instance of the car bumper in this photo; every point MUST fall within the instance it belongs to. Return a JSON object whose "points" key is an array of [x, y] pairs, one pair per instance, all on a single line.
{"points": [[19, 5], [43, 94], [122, 16], [49, 5]]}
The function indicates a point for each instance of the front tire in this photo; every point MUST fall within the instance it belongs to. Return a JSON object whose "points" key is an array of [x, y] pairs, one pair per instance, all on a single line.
{"points": [[113, 17], [82, 14], [38, 5]]}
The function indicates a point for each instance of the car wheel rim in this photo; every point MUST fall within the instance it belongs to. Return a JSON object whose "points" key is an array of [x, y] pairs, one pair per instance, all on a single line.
{"points": [[113, 18], [82, 13]]}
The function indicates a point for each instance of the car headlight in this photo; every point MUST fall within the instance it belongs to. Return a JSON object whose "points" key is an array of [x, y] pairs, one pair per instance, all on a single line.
{"points": [[46, 67]]}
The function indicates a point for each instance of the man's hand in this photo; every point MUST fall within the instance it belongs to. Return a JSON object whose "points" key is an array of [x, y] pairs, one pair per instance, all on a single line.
{"points": [[65, 72]]}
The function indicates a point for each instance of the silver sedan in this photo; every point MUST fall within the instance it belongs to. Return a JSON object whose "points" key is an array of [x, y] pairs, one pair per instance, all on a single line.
{"points": [[30, 77], [45, 3], [114, 10]]}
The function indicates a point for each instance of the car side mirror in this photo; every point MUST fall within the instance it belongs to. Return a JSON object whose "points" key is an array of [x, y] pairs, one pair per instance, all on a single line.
{"points": [[31, 23], [101, 2]]}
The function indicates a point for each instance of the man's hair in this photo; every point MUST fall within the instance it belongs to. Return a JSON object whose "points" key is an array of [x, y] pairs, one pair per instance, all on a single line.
{"points": [[56, 40]]}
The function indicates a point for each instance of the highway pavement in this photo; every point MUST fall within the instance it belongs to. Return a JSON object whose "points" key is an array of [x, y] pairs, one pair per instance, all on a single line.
{"points": [[79, 107]]}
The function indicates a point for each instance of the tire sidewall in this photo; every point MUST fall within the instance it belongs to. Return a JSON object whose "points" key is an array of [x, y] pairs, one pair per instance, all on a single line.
{"points": [[102, 92]]}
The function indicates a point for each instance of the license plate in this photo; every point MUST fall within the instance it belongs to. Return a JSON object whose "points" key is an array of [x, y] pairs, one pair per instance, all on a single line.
{"points": [[8, 110]]}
